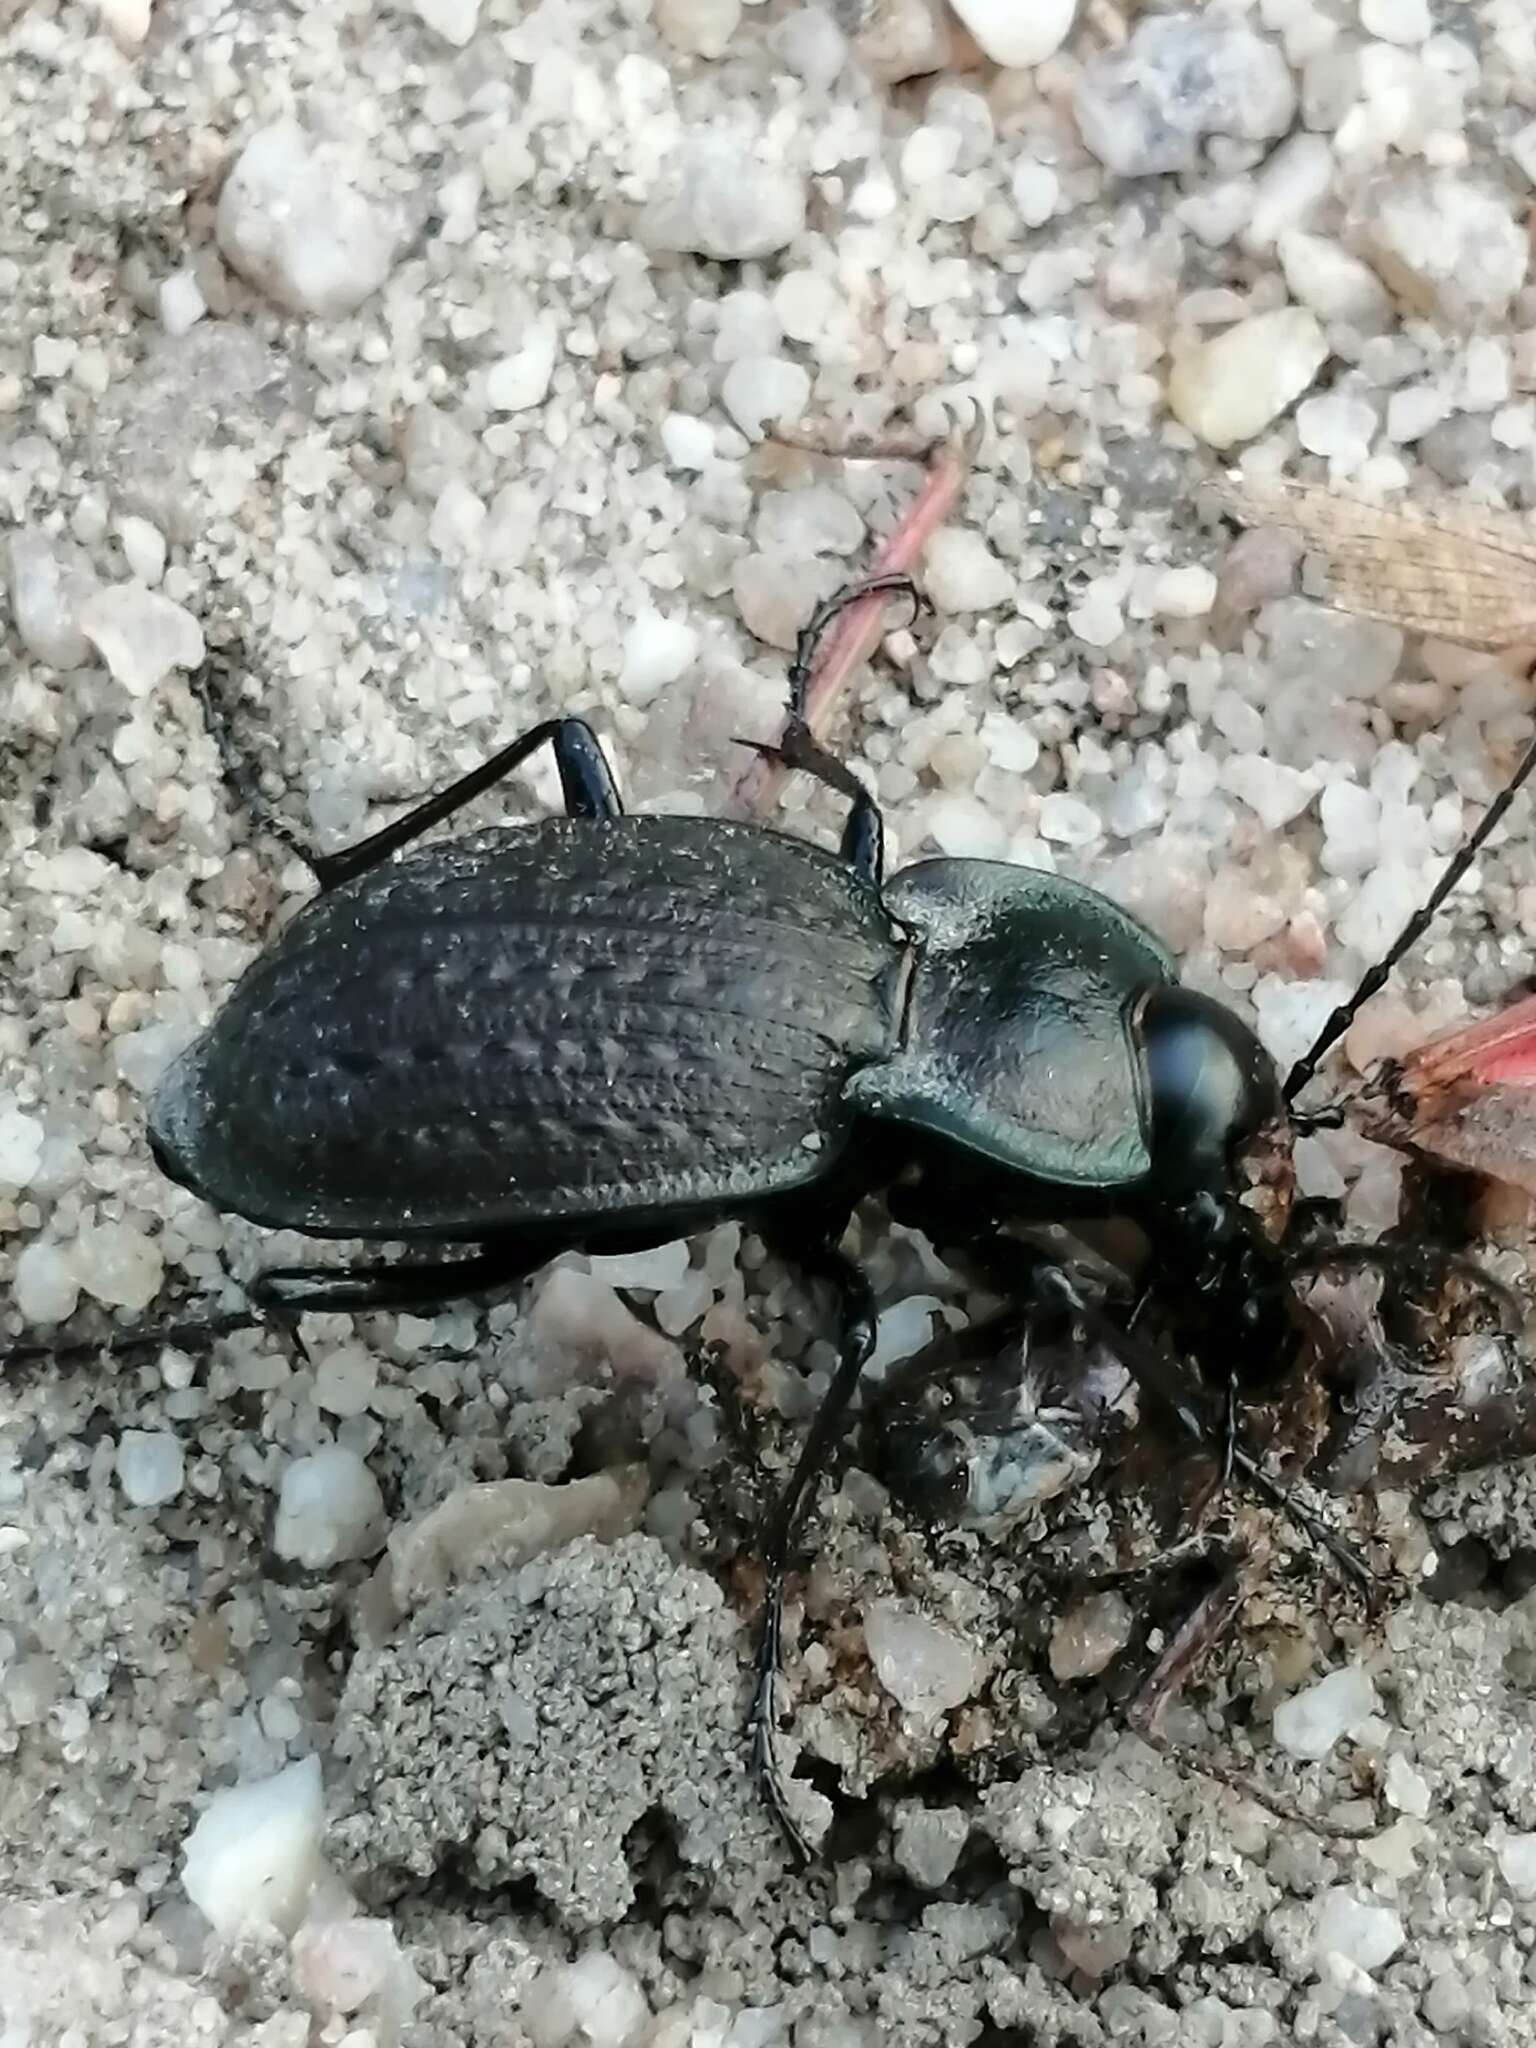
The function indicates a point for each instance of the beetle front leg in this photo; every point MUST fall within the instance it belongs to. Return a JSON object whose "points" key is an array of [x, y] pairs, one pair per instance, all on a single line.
{"points": [[857, 1341]]}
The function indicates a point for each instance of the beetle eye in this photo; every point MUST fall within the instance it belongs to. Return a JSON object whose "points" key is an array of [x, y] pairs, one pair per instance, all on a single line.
{"points": [[1210, 1083]]}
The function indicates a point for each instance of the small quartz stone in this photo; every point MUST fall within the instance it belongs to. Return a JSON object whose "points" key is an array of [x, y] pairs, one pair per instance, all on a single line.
{"points": [[928, 1842], [1397, 21], [454, 20], [1336, 286], [254, 1856], [591, 2003], [1089, 1636], [329, 1509], [140, 635], [764, 391], [1309, 1723], [47, 595], [1447, 245], [961, 573], [297, 232], [117, 1265], [1147, 107], [927, 1669], [1404, 1788], [1017, 35], [21, 1147], [702, 28], [1356, 1927], [521, 380], [657, 651], [45, 1288], [718, 198], [149, 1467], [1229, 389], [1517, 1864]]}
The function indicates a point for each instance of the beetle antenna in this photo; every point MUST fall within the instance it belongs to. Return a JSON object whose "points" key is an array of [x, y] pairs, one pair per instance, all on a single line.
{"points": [[1375, 980]]}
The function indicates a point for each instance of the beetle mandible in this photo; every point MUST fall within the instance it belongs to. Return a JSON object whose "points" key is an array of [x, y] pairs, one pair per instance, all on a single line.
{"points": [[599, 1032]]}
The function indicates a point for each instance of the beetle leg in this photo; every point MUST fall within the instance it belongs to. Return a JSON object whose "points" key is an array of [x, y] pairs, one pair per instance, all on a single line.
{"points": [[586, 781], [1203, 1629], [292, 1291], [828, 1426]]}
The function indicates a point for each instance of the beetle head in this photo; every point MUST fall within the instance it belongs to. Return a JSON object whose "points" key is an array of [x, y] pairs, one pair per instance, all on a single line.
{"points": [[1211, 1088]]}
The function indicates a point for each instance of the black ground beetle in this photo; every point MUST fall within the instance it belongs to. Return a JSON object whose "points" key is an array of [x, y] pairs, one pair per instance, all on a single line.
{"points": [[598, 1033]]}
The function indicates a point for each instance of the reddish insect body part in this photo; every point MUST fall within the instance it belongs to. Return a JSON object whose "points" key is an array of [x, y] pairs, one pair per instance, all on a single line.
{"points": [[1468, 1098]]}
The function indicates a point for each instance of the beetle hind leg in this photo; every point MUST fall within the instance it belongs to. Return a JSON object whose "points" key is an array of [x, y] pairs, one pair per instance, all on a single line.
{"points": [[287, 1292], [586, 783]]}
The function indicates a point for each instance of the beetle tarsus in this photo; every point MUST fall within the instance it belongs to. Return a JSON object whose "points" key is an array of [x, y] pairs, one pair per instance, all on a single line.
{"points": [[808, 640]]}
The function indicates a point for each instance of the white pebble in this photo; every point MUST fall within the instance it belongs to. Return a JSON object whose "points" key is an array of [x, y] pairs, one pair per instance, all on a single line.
{"points": [[254, 1856], [1015, 35], [657, 651], [180, 301], [927, 1669], [21, 1147], [126, 21], [1412, 411], [143, 547], [720, 199], [591, 2003], [1068, 821], [1356, 1927], [45, 1288], [118, 1265], [689, 443], [1275, 792], [1404, 1788], [1010, 744], [150, 1467], [1310, 1722], [702, 28], [1448, 245], [1185, 593], [1338, 425], [1098, 620], [329, 1509], [1335, 285], [522, 379], [140, 635], [928, 153], [46, 599], [338, 1965], [1517, 1864], [454, 20], [764, 391], [961, 573], [806, 302], [1036, 191], [1396, 21], [299, 233], [345, 1380], [1293, 183], [1232, 387], [1146, 108]]}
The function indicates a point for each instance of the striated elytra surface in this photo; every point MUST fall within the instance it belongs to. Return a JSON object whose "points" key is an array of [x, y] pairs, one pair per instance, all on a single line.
{"points": [[544, 1022]]}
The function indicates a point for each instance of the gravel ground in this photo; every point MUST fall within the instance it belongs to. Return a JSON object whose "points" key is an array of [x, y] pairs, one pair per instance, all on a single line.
{"points": [[418, 359]]}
